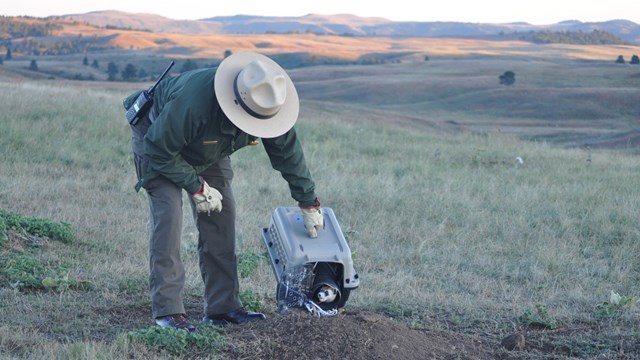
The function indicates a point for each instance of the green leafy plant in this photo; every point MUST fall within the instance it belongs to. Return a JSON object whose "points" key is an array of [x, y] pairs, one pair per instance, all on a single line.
{"points": [[251, 301], [22, 271], [248, 264], [59, 231], [179, 342], [540, 318], [614, 306], [26, 271]]}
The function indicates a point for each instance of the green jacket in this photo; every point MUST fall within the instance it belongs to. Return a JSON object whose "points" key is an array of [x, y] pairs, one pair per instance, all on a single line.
{"points": [[191, 133]]}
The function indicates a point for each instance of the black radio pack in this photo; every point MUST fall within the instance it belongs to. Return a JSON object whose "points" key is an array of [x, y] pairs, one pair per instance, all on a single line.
{"points": [[144, 101]]}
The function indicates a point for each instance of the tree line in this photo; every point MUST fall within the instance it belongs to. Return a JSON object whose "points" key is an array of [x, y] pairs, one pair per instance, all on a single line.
{"points": [[10, 28], [76, 45], [134, 73], [595, 37], [22, 38]]}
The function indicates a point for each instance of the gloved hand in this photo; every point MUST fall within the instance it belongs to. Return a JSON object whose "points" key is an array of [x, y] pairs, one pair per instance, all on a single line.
{"points": [[313, 219], [208, 199]]}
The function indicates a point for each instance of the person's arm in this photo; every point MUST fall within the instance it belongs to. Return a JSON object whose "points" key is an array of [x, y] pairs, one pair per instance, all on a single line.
{"points": [[170, 133], [286, 156]]}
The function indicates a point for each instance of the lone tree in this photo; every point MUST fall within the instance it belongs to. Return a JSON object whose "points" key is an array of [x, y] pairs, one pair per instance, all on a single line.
{"points": [[227, 53], [33, 66], [130, 72], [9, 56], [620, 59], [112, 71], [508, 78], [635, 60]]}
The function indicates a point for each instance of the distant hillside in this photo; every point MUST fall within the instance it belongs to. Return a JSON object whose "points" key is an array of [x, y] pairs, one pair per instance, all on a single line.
{"points": [[149, 22], [344, 24], [54, 36]]}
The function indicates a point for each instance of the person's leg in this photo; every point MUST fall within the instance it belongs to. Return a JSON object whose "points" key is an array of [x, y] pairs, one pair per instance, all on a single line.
{"points": [[166, 278], [216, 244], [166, 275], [218, 262]]}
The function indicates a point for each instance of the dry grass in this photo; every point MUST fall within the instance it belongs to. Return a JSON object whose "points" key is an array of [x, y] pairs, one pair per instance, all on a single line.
{"points": [[438, 223], [566, 103], [352, 48]]}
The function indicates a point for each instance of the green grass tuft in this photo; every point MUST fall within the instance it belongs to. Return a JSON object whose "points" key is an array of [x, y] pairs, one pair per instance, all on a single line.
{"points": [[53, 230], [615, 306], [248, 263], [252, 301], [541, 318]]}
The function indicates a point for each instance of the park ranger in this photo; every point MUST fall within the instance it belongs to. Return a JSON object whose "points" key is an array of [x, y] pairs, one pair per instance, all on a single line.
{"points": [[197, 120]]}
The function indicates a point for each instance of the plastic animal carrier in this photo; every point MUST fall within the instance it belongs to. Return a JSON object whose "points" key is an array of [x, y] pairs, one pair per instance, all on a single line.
{"points": [[304, 266]]}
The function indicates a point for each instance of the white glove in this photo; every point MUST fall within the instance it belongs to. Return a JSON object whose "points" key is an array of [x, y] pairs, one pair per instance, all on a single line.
{"points": [[313, 220], [208, 199]]}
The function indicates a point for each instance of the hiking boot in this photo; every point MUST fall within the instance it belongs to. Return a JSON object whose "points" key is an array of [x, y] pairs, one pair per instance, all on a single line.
{"points": [[239, 316], [176, 321]]}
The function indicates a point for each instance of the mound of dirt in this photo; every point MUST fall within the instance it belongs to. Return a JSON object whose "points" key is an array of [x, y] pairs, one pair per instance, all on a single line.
{"points": [[357, 335]]}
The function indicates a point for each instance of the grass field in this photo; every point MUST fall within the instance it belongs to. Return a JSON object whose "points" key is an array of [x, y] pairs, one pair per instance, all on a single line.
{"points": [[564, 102], [446, 227]]}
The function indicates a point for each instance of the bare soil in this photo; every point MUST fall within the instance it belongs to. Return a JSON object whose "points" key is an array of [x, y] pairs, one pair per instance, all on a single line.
{"points": [[355, 334], [358, 335]]}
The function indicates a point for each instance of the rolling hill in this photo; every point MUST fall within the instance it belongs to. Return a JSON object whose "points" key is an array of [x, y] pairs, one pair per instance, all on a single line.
{"points": [[343, 24], [159, 36]]}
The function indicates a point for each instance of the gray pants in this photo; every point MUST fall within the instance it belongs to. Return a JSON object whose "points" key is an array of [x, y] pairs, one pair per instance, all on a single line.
{"points": [[216, 239]]}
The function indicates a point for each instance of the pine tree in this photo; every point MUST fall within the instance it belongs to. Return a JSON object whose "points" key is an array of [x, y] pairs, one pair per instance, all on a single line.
{"points": [[130, 72], [508, 78], [112, 71]]}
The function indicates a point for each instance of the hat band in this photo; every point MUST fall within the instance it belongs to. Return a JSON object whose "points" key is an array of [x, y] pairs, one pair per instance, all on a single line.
{"points": [[246, 107]]}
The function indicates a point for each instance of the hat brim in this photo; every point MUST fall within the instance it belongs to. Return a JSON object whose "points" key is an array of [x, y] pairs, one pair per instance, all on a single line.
{"points": [[275, 126]]}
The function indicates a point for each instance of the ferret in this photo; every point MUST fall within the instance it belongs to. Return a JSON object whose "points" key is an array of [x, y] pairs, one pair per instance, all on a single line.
{"points": [[327, 294]]}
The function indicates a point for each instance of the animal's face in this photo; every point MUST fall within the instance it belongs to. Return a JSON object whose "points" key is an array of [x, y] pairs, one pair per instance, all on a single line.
{"points": [[327, 294]]}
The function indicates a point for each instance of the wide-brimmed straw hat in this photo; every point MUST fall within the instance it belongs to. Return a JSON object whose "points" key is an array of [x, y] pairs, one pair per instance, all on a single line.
{"points": [[256, 94]]}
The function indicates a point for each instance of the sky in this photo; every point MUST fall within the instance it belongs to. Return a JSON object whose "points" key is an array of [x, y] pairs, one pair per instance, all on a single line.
{"points": [[538, 12]]}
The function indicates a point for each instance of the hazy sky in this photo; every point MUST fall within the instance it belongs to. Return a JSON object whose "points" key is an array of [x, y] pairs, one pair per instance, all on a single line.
{"points": [[537, 12]]}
